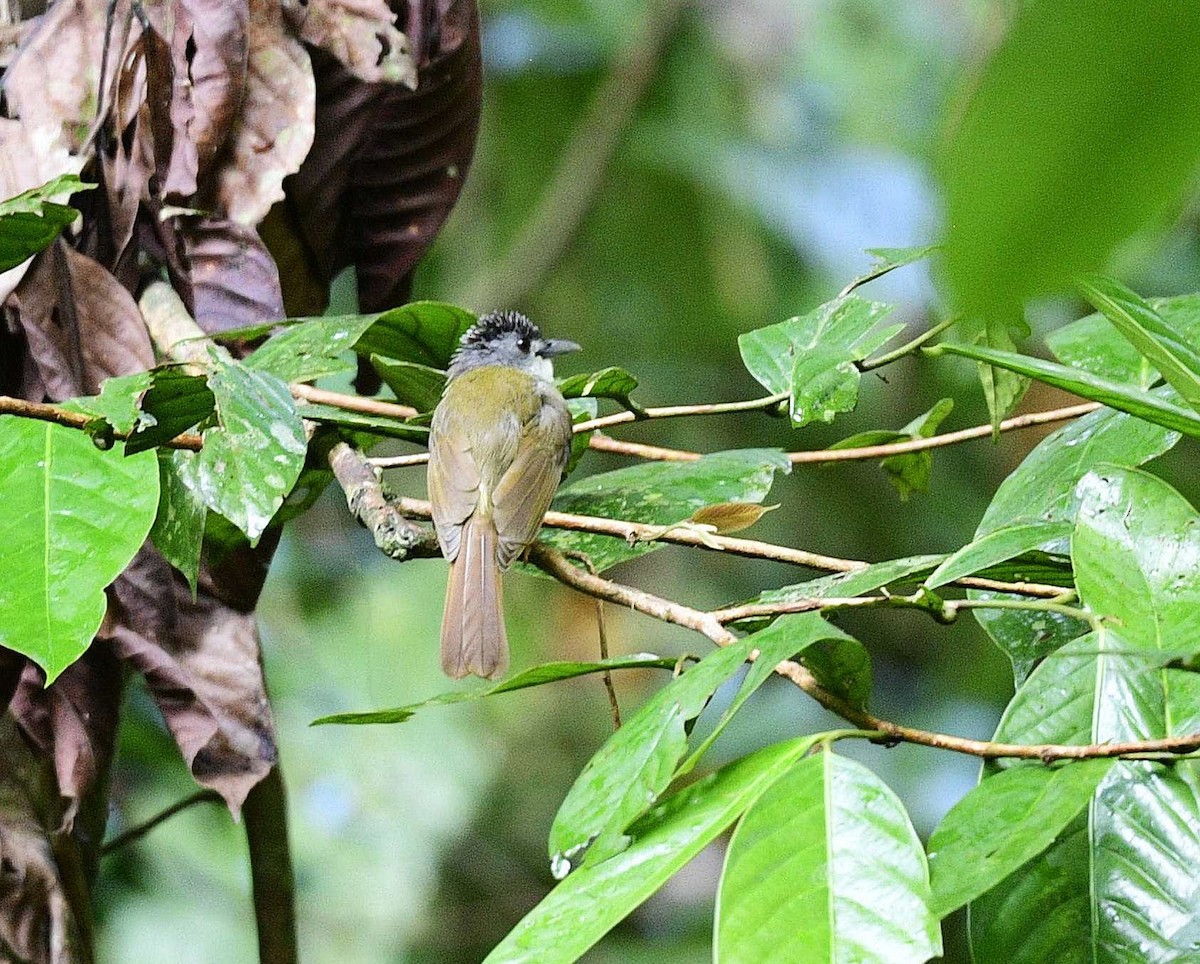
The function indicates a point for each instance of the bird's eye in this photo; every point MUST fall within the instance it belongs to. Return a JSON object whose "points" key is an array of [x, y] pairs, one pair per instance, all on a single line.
{"points": [[523, 344]]}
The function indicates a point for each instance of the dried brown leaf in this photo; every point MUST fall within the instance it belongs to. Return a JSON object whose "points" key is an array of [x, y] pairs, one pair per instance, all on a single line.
{"points": [[37, 923], [730, 516], [80, 325], [274, 130], [200, 659], [387, 163], [361, 34], [234, 278], [54, 80]]}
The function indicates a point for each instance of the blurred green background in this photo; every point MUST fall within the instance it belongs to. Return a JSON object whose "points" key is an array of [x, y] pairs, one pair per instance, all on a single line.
{"points": [[777, 140]]}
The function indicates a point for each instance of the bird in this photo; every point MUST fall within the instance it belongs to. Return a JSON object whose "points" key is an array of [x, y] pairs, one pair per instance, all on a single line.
{"points": [[498, 445]]}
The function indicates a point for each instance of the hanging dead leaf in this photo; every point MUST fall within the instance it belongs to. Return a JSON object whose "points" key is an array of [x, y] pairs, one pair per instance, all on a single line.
{"points": [[80, 325], [730, 516], [361, 34], [274, 130], [235, 281], [200, 659]]}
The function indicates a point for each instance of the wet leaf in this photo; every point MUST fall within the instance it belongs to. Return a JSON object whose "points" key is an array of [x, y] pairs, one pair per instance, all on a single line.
{"points": [[1175, 357], [423, 332], [996, 546], [417, 385], [592, 900], [534, 676], [830, 843], [174, 402], [626, 776], [661, 493], [178, 531], [311, 349], [32, 220], [1135, 550], [1117, 883], [1093, 344], [74, 517], [254, 454], [1042, 489], [1002, 824], [811, 357], [369, 424], [361, 34], [1118, 395]]}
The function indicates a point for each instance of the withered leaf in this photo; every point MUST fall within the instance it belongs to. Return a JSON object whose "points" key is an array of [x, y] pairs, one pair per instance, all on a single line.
{"points": [[234, 279], [361, 34], [274, 130], [730, 516]]}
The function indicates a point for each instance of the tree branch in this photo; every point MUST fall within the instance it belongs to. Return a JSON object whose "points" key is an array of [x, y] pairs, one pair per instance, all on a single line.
{"points": [[640, 532], [46, 412], [554, 563]]}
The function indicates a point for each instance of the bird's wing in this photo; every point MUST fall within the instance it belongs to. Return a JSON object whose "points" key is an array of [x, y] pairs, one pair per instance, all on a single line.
{"points": [[523, 493], [453, 484]]}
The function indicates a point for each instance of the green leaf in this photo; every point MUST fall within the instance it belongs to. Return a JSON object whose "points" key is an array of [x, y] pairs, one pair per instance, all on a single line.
{"points": [[592, 900], [839, 661], [311, 348], [1173, 356], [32, 220], [174, 402], [1036, 188], [812, 356], [628, 773], [581, 409], [615, 383], [661, 493], [910, 471], [889, 259], [1135, 550], [73, 518], [830, 845], [1004, 823], [118, 401], [997, 546], [368, 424], [1119, 883], [1042, 490], [534, 676], [417, 385], [253, 455], [425, 332], [178, 531], [1119, 395], [1093, 344]]}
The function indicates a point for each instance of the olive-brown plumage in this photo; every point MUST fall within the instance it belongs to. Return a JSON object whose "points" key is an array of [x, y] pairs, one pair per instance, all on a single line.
{"points": [[499, 441]]}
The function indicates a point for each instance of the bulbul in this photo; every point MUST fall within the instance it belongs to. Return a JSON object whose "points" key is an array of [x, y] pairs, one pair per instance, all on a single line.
{"points": [[498, 445]]}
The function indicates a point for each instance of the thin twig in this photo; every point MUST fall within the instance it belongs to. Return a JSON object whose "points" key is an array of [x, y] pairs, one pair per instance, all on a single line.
{"points": [[613, 706], [45, 412], [560, 211], [907, 348], [556, 564], [640, 532], [677, 411], [351, 403], [138, 832]]}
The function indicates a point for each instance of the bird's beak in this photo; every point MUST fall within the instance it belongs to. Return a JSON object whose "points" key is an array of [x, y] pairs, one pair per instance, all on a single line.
{"points": [[558, 346]]}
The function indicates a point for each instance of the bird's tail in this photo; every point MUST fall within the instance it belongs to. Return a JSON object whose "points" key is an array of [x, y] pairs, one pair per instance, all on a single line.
{"points": [[473, 637]]}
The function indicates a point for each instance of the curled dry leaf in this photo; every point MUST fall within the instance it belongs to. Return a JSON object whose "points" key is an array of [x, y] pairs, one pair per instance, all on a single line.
{"points": [[235, 281], [361, 34], [274, 130], [387, 163], [80, 325], [200, 659], [36, 920], [54, 81], [730, 516]]}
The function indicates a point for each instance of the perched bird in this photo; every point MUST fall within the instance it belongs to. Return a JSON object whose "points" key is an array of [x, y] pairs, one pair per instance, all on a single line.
{"points": [[498, 445]]}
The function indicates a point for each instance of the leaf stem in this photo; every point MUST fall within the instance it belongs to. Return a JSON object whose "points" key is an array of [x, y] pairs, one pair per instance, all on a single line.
{"points": [[139, 831], [907, 348]]}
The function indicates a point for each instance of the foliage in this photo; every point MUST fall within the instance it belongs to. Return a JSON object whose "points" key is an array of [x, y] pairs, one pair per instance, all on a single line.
{"points": [[1079, 841]]}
